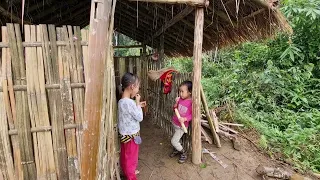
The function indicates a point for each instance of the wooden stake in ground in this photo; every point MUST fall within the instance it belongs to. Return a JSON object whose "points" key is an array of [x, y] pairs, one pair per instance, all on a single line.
{"points": [[196, 98]]}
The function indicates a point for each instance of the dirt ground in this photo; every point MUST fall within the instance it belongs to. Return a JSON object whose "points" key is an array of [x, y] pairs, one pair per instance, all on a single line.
{"points": [[155, 163]]}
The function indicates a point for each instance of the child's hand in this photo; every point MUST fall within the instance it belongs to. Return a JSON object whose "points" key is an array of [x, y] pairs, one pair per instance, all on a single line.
{"points": [[138, 97], [143, 104]]}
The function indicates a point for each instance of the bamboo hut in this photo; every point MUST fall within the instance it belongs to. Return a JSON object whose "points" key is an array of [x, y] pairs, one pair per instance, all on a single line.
{"points": [[57, 91]]}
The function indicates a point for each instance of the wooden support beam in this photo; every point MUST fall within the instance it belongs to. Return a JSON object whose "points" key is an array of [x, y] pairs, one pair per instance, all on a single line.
{"points": [[174, 20], [199, 3], [196, 97], [101, 19]]}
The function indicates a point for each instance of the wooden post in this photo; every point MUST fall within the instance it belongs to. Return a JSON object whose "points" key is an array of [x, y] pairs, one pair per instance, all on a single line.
{"points": [[196, 98], [100, 19]]}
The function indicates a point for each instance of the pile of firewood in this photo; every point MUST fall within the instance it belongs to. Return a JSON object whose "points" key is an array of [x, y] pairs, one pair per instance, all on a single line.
{"points": [[212, 129]]}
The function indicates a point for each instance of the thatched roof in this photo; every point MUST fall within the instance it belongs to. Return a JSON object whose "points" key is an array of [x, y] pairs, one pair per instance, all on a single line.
{"points": [[227, 22]]}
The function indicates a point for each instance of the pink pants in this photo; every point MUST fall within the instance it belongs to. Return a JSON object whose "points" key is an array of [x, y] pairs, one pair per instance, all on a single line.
{"points": [[129, 159]]}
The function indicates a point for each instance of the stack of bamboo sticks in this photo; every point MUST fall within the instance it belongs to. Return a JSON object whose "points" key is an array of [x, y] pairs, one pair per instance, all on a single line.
{"points": [[218, 129]]}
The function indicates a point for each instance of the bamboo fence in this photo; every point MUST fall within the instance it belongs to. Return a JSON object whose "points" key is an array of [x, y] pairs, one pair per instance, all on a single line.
{"points": [[159, 109], [42, 95]]}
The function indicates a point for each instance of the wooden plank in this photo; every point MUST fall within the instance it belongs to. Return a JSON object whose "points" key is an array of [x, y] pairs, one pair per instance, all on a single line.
{"points": [[214, 129], [64, 58], [198, 3], [22, 116], [50, 52], [196, 97], [6, 116]]}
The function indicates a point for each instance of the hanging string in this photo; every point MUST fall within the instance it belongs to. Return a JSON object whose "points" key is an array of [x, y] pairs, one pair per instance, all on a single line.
{"points": [[137, 14]]}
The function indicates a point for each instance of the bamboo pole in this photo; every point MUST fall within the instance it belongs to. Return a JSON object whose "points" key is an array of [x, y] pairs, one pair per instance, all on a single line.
{"points": [[196, 97], [39, 44], [100, 17], [210, 120], [47, 86]]}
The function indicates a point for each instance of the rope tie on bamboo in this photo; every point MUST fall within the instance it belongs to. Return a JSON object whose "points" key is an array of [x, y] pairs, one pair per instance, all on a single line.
{"points": [[27, 162]]}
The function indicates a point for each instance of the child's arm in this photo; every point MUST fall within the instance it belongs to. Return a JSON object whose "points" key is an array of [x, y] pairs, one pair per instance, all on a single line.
{"points": [[135, 110]]}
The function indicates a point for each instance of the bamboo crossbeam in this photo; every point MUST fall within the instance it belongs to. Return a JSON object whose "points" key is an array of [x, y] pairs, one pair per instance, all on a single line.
{"points": [[130, 46], [47, 86], [46, 128], [200, 3], [39, 44]]}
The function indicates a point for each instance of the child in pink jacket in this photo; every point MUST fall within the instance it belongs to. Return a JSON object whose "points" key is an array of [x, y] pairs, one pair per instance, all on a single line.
{"points": [[184, 106]]}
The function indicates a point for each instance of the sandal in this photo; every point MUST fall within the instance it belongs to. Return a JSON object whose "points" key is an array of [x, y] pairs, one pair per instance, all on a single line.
{"points": [[183, 157], [174, 153]]}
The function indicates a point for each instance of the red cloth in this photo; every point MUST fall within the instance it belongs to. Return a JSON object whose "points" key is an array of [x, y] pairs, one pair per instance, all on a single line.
{"points": [[166, 79], [129, 159]]}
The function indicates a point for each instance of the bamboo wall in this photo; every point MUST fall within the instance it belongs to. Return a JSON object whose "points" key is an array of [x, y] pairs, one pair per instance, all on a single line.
{"points": [[42, 102]]}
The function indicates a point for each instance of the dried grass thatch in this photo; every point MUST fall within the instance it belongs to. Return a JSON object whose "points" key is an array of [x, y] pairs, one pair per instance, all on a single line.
{"points": [[227, 22]]}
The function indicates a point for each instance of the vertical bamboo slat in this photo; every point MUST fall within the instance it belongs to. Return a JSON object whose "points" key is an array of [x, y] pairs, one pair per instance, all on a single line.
{"points": [[43, 111], [78, 94], [64, 58], [54, 97], [6, 155], [22, 114], [122, 67]]}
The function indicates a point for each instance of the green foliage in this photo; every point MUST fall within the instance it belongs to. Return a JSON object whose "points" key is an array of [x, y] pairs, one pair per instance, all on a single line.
{"points": [[275, 85], [121, 40]]}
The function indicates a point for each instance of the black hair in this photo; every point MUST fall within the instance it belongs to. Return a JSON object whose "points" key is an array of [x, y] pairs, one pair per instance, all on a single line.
{"points": [[128, 79], [188, 84]]}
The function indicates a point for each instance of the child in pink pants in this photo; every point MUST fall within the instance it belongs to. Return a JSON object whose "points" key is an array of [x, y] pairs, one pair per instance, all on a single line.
{"points": [[129, 117]]}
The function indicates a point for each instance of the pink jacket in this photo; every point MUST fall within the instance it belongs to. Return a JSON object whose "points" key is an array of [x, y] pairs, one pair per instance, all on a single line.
{"points": [[185, 110]]}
